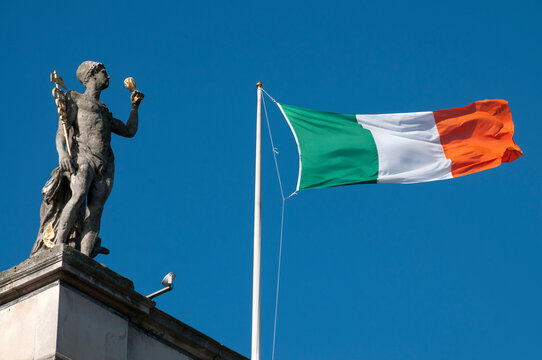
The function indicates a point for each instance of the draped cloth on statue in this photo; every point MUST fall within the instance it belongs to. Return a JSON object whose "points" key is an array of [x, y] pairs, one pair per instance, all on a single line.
{"points": [[56, 193]]}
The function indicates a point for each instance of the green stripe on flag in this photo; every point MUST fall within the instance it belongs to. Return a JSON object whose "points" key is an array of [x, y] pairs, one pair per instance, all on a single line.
{"points": [[335, 150]]}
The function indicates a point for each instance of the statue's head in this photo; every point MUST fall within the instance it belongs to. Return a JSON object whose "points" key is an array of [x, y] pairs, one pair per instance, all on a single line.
{"points": [[93, 71]]}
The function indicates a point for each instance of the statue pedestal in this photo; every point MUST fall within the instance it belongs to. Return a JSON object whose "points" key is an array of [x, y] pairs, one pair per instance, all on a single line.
{"points": [[61, 304]]}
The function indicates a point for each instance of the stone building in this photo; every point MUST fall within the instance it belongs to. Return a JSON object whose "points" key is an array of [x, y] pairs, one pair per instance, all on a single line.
{"points": [[61, 304]]}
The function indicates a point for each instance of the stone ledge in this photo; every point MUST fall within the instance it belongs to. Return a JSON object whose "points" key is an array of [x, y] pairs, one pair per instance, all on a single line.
{"points": [[67, 265], [79, 271]]}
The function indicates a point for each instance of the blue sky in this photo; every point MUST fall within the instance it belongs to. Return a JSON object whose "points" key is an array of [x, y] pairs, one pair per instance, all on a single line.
{"points": [[444, 270]]}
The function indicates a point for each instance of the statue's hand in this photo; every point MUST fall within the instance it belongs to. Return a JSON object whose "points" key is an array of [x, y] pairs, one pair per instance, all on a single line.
{"points": [[65, 162], [136, 97]]}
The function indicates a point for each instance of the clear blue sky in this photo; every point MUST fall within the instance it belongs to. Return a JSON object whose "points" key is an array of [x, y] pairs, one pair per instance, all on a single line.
{"points": [[444, 270]]}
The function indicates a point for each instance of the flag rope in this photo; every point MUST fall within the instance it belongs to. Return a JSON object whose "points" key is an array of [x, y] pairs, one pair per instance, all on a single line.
{"points": [[275, 152], [266, 93]]}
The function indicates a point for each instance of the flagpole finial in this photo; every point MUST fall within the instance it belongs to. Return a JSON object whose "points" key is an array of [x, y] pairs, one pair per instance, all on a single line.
{"points": [[259, 84]]}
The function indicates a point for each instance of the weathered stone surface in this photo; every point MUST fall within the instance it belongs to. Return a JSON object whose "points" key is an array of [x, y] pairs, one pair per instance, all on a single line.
{"points": [[61, 304], [18, 340], [74, 197]]}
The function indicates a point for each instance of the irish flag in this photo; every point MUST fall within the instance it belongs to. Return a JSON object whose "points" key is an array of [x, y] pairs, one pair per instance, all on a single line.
{"points": [[343, 149]]}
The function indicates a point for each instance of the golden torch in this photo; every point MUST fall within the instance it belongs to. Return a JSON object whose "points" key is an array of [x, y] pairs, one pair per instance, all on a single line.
{"points": [[130, 84]]}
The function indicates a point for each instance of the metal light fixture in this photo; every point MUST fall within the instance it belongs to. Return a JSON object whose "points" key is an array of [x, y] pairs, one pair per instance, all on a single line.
{"points": [[167, 281]]}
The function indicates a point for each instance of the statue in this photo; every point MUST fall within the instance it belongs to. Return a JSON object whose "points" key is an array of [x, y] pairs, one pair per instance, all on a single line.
{"points": [[74, 197]]}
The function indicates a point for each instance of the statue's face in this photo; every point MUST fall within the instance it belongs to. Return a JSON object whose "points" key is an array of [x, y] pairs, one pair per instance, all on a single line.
{"points": [[102, 79]]}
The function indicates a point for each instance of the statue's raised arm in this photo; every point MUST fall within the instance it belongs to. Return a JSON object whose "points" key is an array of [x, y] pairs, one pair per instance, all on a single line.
{"points": [[130, 128]]}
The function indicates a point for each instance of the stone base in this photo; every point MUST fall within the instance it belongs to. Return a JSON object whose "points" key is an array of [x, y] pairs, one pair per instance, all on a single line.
{"points": [[60, 304]]}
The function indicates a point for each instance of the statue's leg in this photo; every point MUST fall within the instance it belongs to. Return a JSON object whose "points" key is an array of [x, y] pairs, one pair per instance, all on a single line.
{"points": [[97, 196], [79, 186]]}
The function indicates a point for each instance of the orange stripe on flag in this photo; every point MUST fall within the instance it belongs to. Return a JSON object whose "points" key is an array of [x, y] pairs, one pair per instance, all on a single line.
{"points": [[478, 136]]}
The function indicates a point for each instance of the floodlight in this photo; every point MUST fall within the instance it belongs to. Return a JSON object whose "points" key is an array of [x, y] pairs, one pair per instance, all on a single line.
{"points": [[167, 281]]}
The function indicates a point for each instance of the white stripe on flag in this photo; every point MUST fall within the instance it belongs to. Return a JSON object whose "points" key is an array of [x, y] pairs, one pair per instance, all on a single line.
{"points": [[408, 146]]}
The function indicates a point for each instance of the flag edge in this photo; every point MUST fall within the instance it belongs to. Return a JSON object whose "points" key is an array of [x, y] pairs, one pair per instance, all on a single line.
{"points": [[297, 143]]}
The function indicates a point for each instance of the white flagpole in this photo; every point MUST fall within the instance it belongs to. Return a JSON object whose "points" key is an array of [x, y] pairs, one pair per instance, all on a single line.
{"points": [[257, 231]]}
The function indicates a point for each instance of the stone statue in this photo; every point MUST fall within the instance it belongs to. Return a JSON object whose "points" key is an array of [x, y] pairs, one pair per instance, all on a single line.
{"points": [[75, 195]]}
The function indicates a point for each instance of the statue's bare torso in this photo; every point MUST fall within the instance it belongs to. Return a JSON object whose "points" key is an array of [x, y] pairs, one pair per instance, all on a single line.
{"points": [[93, 124], [91, 130]]}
